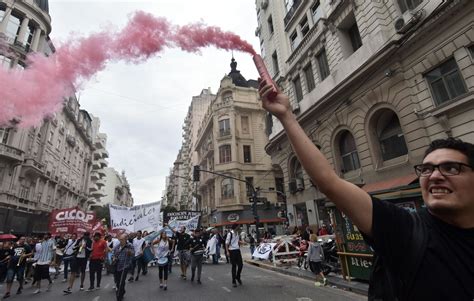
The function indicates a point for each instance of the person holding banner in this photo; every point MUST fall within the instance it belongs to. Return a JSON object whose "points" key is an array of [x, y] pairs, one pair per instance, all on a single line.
{"points": [[232, 243], [161, 247]]}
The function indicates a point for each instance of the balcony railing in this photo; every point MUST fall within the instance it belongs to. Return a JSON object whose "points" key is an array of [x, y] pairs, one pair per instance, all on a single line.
{"points": [[35, 165], [11, 153]]}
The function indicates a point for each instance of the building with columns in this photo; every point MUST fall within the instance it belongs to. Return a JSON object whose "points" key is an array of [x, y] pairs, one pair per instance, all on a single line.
{"points": [[231, 141], [372, 83]]}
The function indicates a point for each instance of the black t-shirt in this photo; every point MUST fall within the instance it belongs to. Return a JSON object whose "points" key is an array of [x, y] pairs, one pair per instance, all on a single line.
{"points": [[447, 268], [61, 244], [17, 251], [197, 245], [181, 240]]}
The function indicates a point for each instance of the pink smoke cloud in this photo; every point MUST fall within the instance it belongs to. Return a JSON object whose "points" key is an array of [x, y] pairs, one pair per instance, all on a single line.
{"points": [[39, 90]]}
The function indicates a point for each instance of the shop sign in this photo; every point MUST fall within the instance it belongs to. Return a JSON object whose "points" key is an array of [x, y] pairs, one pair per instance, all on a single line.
{"points": [[233, 217]]}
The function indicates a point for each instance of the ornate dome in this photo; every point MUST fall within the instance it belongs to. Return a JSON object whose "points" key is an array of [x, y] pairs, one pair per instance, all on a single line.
{"points": [[43, 4]]}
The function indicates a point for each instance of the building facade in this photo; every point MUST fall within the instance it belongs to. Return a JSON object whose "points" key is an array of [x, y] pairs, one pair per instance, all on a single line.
{"points": [[372, 83], [99, 163], [231, 141], [116, 190]]}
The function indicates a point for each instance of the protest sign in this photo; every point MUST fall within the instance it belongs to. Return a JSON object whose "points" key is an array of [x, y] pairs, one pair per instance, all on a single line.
{"points": [[180, 215], [190, 224], [263, 250], [72, 220], [131, 219]]}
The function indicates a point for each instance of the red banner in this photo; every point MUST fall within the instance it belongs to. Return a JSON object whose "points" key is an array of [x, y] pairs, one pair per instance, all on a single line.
{"points": [[73, 220]]}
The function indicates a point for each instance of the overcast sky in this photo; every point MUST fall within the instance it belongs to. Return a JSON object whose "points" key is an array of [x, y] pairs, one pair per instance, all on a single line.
{"points": [[142, 107]]}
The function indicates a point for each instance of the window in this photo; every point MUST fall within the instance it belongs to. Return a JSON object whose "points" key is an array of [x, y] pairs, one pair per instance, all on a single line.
{"points": [[13, 27], [354, 35], [247, 154], [270, 25], [323, 65], [304, 26], [294, 40], [349, 156], [5, 62], [245, 124], [288, 4], [299, 176], [224, 127], [225, 155], [390, 135], [276, 69], [4, 133], [249, 189], [408, 4], [316, 12], [445, 82], [280, 185], [227, 188], [298, 90], [308, 72]]}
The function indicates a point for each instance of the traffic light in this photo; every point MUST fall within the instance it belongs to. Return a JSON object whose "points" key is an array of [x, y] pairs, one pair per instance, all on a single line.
{"points": [[196, 173]]}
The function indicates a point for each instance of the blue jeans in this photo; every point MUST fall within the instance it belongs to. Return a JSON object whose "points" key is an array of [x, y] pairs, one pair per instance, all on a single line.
{"points": [[252, 249], [67, 262]]}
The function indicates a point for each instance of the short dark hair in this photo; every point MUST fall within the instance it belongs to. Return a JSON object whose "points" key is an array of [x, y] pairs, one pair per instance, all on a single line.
{"points": [[234, 226], [465, 148], [97, 234]]}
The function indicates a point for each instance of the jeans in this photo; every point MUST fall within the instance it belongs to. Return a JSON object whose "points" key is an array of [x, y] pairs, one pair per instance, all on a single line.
{"points": [[95, 268], [67, 262], [119, 278], [196, 261], [3, 272], [137, 262], [252, 249], [237, 264]]}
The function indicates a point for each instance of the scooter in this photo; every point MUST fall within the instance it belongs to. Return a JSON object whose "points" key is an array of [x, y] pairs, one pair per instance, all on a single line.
{"points": [[331, 261]]}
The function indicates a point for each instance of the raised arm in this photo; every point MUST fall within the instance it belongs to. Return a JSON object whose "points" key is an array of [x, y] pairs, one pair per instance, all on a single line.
{"points": [[349, 198]]}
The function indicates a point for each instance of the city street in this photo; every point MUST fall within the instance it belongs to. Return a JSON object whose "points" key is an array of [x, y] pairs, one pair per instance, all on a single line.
{"points": [[258, 284]]}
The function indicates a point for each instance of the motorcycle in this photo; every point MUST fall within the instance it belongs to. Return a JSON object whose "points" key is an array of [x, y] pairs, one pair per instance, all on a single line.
{"points": [[331, 261]]}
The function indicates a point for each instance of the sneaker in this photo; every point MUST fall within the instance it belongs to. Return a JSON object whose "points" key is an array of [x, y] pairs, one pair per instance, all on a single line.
{"points": [[64, 280], [161, 285], [90, 289], [234, 284], [317, 283], [192, 279], [37, 291], [184, 277], [136, 278], [325, 281], [18, 292], [67, 291], [50, 285], [7, 295], [199, 282], [239, 281], [98, 288], [165, 288], [81, 288], [130, 279]]}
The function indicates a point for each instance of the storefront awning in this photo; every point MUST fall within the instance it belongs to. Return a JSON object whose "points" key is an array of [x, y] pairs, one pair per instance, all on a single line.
{"points": [[390, 185]]}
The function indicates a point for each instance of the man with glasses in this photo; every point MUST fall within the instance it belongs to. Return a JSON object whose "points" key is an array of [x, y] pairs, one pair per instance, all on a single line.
{"points": [[445, 270]]}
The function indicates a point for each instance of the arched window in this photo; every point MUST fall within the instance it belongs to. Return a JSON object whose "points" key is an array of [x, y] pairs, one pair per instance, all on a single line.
{"points": [[390, 136], [348, 150], [227, 188], [296, 176]]}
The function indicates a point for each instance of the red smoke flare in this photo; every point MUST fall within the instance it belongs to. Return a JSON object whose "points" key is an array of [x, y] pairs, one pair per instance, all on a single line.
{"points": [[38, 91]]}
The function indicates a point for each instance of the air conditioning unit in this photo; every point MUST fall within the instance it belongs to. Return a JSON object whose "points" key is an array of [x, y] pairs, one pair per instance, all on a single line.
{"points": [[406, 22], [299, 184]]}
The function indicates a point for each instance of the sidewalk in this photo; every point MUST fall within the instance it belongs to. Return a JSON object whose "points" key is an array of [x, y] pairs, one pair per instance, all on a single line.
{"points": [[334, 280]]}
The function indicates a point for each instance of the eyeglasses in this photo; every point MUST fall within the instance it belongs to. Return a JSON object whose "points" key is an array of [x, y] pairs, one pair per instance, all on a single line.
{"points": [[446, 169]]}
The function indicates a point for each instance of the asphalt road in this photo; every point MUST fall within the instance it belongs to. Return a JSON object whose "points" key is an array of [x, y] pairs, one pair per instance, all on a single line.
{"points": [[258, 284]]}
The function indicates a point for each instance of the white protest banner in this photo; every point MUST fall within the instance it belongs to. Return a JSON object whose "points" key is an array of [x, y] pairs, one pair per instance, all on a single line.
{"points": [[190, 224], [131, 219], [263, 250]]}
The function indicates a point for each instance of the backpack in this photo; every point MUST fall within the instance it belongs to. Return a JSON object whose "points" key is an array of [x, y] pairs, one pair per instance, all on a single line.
{"points": [[385, 285]]}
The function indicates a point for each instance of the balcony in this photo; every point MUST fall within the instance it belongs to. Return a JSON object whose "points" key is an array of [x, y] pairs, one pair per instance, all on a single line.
{"points": [[93, 188], [31, 164], [95, 176], [105, 153], [103, 163], [11, 153], [97, 194], [101, 173], [96, 165], [100, 183]]}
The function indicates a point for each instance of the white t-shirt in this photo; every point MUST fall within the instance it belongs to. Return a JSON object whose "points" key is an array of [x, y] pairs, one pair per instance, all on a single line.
{"points": [[69, 249], [234, 242], [137, 245]]}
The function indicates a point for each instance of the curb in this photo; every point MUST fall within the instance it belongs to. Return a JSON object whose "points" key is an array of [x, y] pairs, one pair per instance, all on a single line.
{"points": [[331, 280]]}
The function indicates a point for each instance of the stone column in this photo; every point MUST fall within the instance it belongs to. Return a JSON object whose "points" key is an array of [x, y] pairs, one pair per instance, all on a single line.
{"points": [[23, 29], [36, 39]]}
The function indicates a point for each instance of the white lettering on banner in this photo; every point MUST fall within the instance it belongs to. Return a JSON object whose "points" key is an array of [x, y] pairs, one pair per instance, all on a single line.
{"points": [[74, 214], [263, 250], [190, 224], [132, 219]]}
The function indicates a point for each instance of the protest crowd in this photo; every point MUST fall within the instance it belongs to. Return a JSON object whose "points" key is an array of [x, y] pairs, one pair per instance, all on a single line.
{"points": [[65, 259]]}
